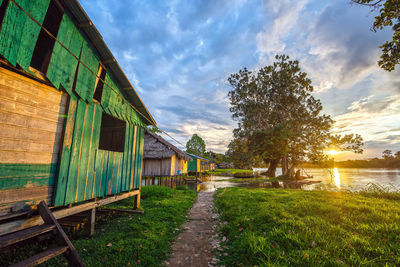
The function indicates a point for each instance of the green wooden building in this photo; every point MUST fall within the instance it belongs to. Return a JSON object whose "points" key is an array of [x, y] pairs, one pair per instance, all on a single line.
{"points": [[198, 164], [71, 124]]}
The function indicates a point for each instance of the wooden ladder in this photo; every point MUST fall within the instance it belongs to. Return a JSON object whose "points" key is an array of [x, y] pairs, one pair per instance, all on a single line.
{"points": [[64, 245]]}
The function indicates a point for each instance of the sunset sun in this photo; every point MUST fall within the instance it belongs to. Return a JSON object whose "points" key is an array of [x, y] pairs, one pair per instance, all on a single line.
{"points": [[332, 152]]}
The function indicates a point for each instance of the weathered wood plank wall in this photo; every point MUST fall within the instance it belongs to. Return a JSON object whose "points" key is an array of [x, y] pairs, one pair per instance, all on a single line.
{"points": [[31, 123]]}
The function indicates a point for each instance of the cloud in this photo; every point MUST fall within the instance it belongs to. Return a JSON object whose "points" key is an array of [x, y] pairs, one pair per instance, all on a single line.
{"points": [[376, 119], [178, 55], [270, 41]]}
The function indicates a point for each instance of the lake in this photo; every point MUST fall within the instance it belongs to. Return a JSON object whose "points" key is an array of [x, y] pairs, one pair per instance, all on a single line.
{"points": [[333, 179]]}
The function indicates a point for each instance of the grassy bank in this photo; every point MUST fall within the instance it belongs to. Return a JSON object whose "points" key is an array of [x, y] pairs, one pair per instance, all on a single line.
{"points": [[231, 171], [123, 239], [307, 228]]}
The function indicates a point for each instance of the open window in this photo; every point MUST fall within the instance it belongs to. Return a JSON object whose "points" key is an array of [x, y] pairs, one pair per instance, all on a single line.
{"points": [[112, 133], [3, 9], [98, 91], [45, 43]]}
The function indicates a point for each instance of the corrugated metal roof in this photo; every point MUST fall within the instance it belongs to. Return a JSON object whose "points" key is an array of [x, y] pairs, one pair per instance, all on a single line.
{"points": [[91, 32], [192, 155]]}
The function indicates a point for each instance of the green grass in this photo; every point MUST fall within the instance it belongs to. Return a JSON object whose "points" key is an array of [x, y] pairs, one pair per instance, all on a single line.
{"points": [[277, 227], [143, 240], [232, 171]]}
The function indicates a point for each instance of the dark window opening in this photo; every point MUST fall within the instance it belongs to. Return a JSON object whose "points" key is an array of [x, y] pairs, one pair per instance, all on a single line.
{"points": [[45, 43], [112, 133], [3, 9], [98, 91]]}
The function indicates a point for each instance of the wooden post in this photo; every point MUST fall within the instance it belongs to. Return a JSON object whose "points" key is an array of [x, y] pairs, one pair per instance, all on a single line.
{"points": [[136, 203], [92, 221]]}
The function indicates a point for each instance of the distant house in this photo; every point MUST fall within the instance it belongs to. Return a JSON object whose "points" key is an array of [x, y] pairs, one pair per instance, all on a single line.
{"points": [[161, 158], [198, 164], [212, 166]]}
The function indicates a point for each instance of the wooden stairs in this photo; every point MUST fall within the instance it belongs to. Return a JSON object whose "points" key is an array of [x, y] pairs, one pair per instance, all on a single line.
{"points": [[51, 225]]}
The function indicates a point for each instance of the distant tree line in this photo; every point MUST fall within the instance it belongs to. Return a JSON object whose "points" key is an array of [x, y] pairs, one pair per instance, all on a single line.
{"points": [[388, 160]]}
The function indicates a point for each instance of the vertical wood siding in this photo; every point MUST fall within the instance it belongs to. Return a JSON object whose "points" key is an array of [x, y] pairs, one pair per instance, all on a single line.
{"points": [[86, 171]]}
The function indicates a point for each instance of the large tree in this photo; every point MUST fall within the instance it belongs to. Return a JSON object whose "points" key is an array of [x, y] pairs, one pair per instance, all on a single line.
{"points": [[239, 155], [196, 145], [279, 118], [389, 14]]}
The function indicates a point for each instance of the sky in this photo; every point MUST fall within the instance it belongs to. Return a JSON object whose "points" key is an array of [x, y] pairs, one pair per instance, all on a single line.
{"points": [[178, 55]]}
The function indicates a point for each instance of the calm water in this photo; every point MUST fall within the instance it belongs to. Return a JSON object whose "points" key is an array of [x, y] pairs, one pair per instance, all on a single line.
{"points": [[333, 179]]}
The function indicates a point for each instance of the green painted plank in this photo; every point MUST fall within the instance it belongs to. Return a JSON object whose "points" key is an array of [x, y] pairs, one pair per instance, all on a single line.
{"points": [[117, 172], [31, 32], [110, 173], [75, 152], [23, 175], [126, 163], [12, 30], [133, 158], [138, 159], [84, 155], [10, 170], [104, 180], [65, 158], [99, 172], [61, 70], [140, 163], [135, 173], [22, 182], [94, 144], [86, 79]]}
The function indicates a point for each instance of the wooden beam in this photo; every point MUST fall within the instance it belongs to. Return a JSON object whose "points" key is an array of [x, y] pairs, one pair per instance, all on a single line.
{"points": [[85, 24], [17, 225], [109, 61]]}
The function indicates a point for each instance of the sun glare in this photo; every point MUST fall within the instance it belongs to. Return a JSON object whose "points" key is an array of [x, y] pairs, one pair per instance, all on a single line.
{"points": [[332, 152]]}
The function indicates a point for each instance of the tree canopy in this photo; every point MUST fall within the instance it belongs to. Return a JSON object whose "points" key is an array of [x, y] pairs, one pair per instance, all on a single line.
{"points": [[389, 13], [279, 121], [196, 145]]}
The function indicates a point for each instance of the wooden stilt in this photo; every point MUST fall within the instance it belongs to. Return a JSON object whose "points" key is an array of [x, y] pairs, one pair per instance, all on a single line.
{"points": [[92, 221], [136, 204]]}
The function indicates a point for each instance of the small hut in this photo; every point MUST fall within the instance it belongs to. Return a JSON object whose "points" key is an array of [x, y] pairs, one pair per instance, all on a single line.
{"points": [[199, 164], [212, 166], [161, 158]]}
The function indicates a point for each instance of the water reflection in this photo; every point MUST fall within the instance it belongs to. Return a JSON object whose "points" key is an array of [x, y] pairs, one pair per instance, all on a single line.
{"points": [[336, 177], [326, 179]]}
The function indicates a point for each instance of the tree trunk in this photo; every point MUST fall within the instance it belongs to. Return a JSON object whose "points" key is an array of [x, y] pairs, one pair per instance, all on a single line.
{"points": [[272, 168], [291, 173], [285, 164]]}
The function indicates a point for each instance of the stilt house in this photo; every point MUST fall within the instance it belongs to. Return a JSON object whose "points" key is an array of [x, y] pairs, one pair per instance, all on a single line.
{"points": [[71, 124], [198, 164], [212, 166], [161, 158]]}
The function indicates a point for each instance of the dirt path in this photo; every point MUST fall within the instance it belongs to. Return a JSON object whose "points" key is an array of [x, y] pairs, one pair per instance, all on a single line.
{"points": [[194, 246]]}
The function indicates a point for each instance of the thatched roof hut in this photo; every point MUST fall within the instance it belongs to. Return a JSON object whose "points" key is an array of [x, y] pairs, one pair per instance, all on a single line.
{"points": [[161, 158]]}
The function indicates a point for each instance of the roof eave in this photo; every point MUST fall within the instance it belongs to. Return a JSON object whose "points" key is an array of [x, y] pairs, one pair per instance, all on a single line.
{"points": [[107, 57]]}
